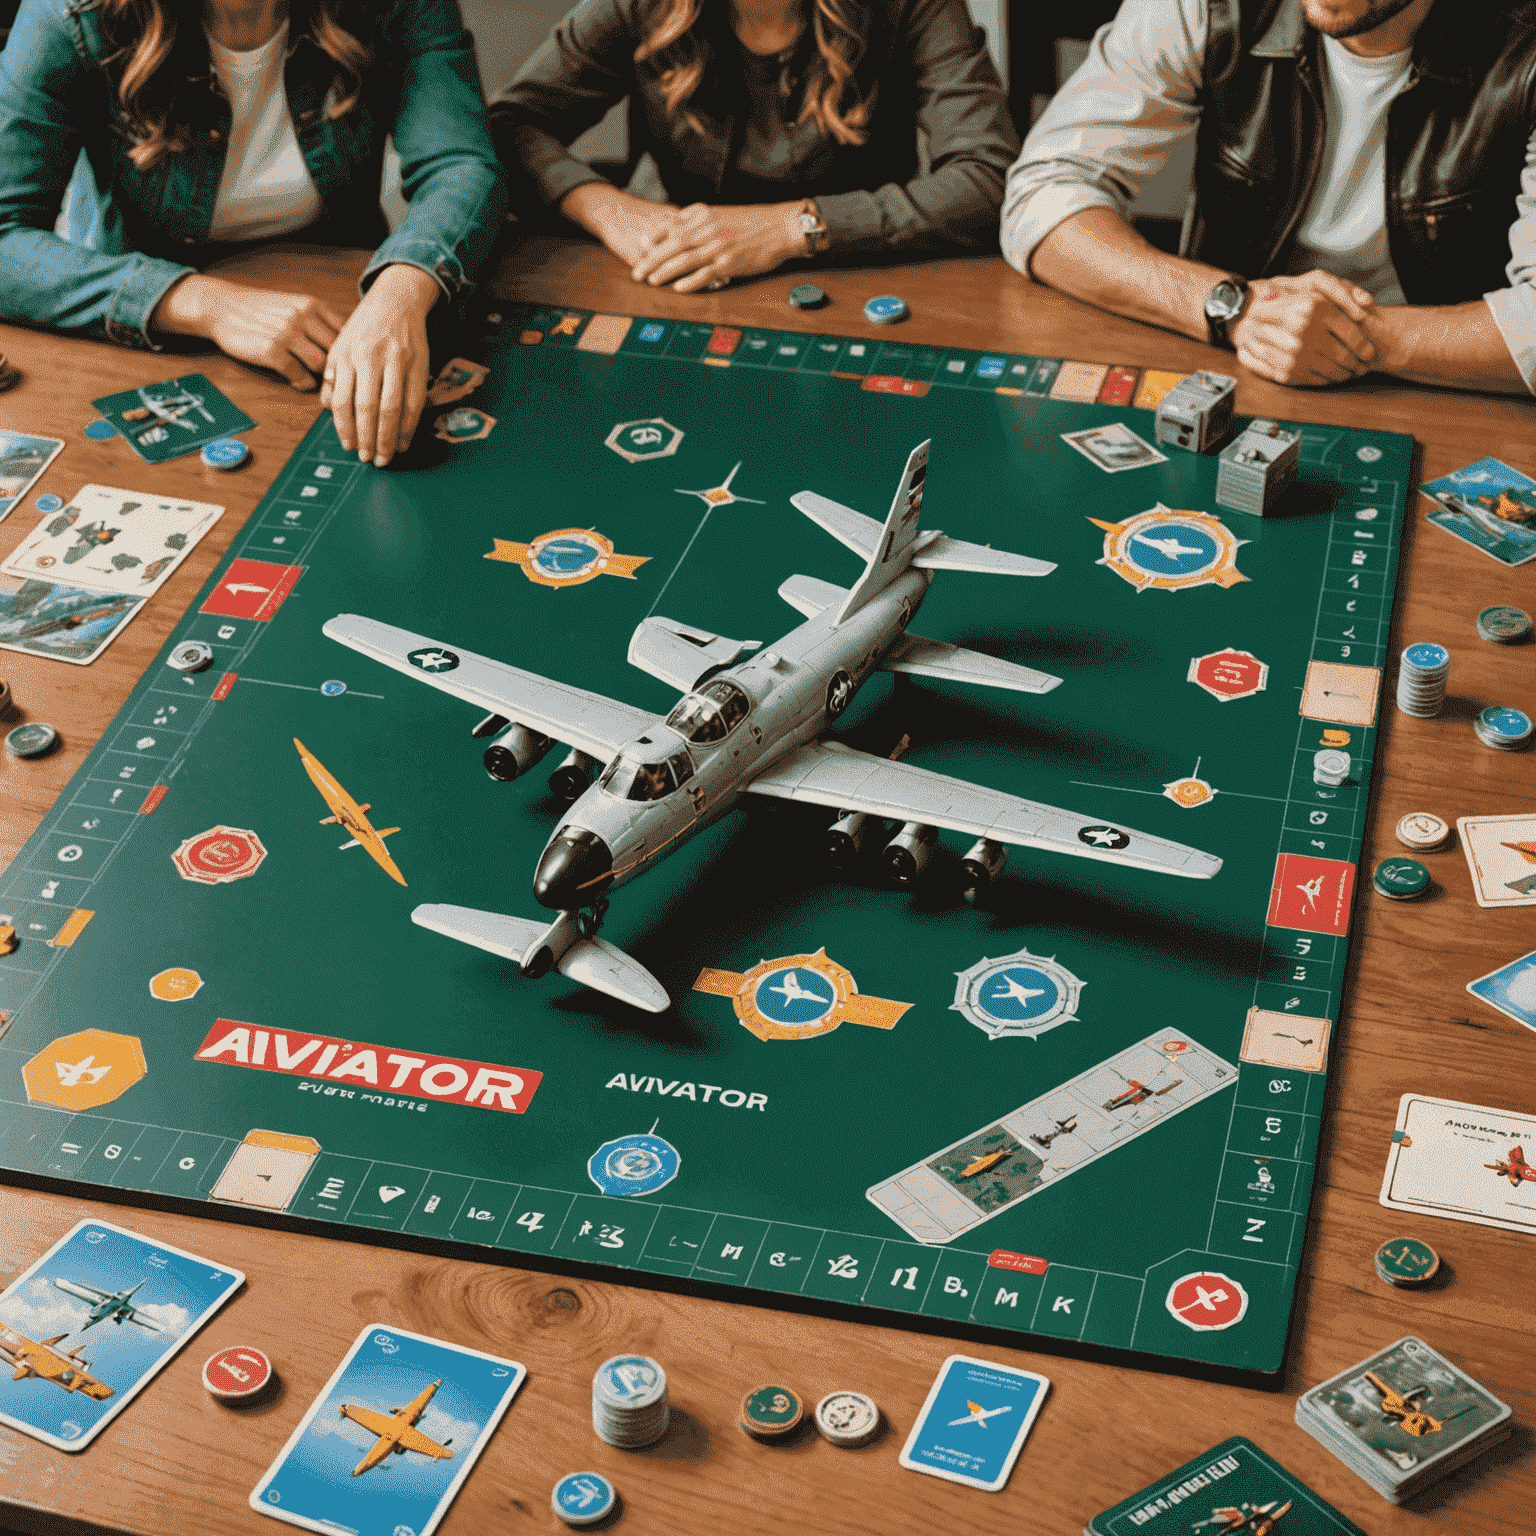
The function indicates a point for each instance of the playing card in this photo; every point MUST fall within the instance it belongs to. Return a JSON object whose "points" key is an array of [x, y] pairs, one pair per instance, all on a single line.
{"points": [[22, 461], [65, 623], [1462, 1161], [92, 1321], [1341, 692], [1501, 853], [1114, 447], [113, 540], [391, 1437], [176, 416], [1489, 506], [1511, 989], [1234, 1481], [974, 1422]]}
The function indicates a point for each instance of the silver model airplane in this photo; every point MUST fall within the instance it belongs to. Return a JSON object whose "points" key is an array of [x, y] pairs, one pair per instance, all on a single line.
{"points": [[113, 1306], [752, 721]]}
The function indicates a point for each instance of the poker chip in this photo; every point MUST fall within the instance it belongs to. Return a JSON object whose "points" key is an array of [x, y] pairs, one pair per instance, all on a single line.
{"points": [[1421, 680], [1400, 879], [629, 1402], [5, 698], [49, 503], [1405, 1261], [1422, 832], [1502, 728], [190, 656], [807, 296], [847, 1418], [583, 1498], [886, 310], [1503, 625], [31, 740], [1330, 766], [10, 377], [237, 1374], [225, 453], [770, 1413], [100, 431], [9, 943]]}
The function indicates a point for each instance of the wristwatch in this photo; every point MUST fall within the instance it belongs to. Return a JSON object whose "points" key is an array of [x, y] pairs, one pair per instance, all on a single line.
{"points": [[814, 228], [1224, 305]]}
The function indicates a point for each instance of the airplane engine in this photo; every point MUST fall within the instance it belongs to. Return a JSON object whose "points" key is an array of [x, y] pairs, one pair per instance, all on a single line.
{"points": [[490, 726], [514, 752], [907, 854], [573, 778], [846, 838], [981, 866]]}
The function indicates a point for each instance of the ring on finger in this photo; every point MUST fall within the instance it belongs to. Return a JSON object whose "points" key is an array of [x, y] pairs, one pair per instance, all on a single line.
{"points": [[718, 284]]}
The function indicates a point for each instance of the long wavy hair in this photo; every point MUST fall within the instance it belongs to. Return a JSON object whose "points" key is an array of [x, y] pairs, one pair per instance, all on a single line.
{"points": [[678, 55], [156, 52]]}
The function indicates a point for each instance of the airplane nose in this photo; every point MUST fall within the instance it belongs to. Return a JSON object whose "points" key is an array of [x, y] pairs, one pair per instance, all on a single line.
{"points": [[574, 871]]}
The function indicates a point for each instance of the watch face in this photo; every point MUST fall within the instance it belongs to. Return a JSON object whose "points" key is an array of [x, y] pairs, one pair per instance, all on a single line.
{"points": [[1226, 300]]}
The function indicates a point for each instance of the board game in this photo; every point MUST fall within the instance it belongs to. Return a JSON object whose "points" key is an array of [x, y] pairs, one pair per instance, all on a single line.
{"points": [[1081, 1107]]}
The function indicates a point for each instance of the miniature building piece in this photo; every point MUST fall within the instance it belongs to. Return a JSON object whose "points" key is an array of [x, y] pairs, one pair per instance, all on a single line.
{"points": [[1255, 469], [1197, 412]]}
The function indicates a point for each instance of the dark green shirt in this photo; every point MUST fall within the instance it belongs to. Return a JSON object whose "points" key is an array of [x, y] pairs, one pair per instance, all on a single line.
{"points": [[925, 63]]}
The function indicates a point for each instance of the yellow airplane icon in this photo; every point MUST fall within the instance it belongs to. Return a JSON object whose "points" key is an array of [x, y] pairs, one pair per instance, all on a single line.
{"points": [[395, 1432], [978, 1414], [348, 813], [1401, 1407], [39, 1359]]}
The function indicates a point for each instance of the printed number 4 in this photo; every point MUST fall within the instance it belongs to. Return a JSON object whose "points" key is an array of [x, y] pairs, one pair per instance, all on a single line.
{"points": [[533, 1220]]}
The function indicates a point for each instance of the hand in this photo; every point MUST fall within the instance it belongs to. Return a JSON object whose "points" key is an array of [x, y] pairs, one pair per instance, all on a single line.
{"points": [[629, 226], [709, 246], [287, 332], [376, 374], [1305, 330]]}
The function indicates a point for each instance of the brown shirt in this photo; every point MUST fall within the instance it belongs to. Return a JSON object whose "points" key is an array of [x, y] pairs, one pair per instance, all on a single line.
{"points": [[925, 63]]}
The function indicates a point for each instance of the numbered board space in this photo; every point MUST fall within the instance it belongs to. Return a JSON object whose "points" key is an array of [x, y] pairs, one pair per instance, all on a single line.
{"points": [[1085, 1106]]}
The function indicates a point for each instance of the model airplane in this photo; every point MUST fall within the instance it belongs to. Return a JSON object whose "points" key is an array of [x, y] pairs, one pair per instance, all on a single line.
{"points": [[395, 1430], [346, 812], [1514, 1167], [1405, 1407], [1139, 1093], [1245, 1519], [752, 722], [109, 1306], [979, 1415], [40, 1360]]}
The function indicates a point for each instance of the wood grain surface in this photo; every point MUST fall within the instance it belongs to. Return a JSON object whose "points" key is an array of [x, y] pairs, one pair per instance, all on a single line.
{"points": [[178, 1462]]}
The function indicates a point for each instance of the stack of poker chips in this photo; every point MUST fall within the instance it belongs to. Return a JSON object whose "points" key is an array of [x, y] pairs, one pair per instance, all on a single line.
{"points": [[1421, 680], [1406, 1262], [1404, 1418], [629, 1402], [849, 1419], [771, 1413], [1503, 624], [1504, 729], [1330, 766], [1423, 832]]}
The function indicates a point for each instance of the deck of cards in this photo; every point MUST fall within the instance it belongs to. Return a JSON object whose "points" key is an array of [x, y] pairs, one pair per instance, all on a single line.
{"points": [[1403, 1419]]}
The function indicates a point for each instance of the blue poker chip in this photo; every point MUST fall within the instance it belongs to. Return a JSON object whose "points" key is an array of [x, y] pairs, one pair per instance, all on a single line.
{"points": [[634, 1165], [583, 1498], [333, 688], [886, 310], [49, 503], [100, 431], [807, 296], [225, 453], [1426, 655]]}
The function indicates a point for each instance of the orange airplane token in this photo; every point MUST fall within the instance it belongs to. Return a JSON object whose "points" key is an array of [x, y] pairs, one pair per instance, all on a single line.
{"points": [[175, 985], [237, 1374]]}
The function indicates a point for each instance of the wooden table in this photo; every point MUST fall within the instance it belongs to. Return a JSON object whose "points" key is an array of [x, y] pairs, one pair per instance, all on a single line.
{"points": [[178, 1462]]}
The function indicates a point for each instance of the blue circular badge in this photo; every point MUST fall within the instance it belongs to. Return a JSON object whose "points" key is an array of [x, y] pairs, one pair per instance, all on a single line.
{"points": [[49, 503], [569, 555], [225, 453], [1503, 721], [333, 689], [795, 996], [634, 1165], [628, 1378], [1426, 655], [99, 431], [1017, 993], [583, 1498], [885, 310], [1175, 549]]}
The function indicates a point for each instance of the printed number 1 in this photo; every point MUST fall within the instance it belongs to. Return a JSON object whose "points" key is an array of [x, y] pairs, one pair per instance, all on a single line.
{"points": [[910, 1273]]}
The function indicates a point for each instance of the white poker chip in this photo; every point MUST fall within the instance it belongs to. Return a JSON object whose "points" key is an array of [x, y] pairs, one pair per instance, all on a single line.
{"points": [[1422, 831], [847, 1418], [190, 656]]}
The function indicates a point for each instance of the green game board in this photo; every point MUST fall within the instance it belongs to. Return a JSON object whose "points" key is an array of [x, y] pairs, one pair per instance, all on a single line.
{"points": [[1135, 1061]]}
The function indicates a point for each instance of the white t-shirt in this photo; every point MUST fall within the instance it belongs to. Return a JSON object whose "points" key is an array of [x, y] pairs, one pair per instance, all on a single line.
{"points": [[266, 188], [1344, 227]]}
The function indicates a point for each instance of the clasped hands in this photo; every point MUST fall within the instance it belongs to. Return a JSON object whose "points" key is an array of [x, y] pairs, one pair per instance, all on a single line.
{"points": [[1314, 329]]}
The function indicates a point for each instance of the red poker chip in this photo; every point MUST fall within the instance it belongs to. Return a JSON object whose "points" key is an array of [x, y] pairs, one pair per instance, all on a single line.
{"points": [[237, 1374]]}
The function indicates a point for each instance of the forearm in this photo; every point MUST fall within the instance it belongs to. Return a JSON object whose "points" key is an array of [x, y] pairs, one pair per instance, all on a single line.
{"points": [[451, 222], [955, 206], [1455, 346]]}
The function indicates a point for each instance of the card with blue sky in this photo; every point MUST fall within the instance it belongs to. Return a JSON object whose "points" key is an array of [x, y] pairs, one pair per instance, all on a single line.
{"points": [[89, 1324], [23, 458], [974, 1422], [391, 1438], [1489, 506]]}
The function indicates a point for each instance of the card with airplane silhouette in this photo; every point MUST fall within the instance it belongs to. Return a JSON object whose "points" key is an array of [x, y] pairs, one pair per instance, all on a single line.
{"points": [[974, 1422], [424, 912], [173, 417]]}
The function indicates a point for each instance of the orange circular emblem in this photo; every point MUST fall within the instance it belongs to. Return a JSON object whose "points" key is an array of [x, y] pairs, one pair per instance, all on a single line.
{"points": [[176, 984]]}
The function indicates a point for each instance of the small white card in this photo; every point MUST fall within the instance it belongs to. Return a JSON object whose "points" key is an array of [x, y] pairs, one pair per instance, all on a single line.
{"points": [[1114, 447], [974, 1423], [113, 540], [1501, 853]]}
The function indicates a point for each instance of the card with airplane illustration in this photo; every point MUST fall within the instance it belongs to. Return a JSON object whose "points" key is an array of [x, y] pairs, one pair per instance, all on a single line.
{"points": [[1501, 855], [176, 416], [968, 1399], [1462, 1161], [23, 458], [391, 1438], [1489, 506], [88, 1325], [64, 623], [113, 540]]}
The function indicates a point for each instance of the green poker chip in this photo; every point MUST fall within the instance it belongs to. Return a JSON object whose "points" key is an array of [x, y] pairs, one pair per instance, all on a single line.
{"points": [[1504, 625], [807, 296], [1406, 1261], [31, 740], [1400, 879], [769, 1412]]}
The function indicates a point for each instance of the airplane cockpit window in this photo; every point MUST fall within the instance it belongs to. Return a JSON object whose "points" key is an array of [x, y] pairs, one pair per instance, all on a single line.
{"points": [[710, 714], [626, 779]]}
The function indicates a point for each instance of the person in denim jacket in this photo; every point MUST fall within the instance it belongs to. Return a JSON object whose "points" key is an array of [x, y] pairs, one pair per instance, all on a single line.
{"points": [[182, 132]]}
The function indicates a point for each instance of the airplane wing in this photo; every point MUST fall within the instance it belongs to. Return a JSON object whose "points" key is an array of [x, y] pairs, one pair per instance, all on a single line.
{"points": [[376, 1453], [84, 1292], [135, 1316], [831, 774], [953, 663], [580, 719], [374, 1423], [414, 1440]]}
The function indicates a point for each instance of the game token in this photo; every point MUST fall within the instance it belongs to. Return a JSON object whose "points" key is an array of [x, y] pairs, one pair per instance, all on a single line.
{"points": [[237, 1374], [629, 1401], [1503, 625], [1406, 1261], [190, 656], [1400, 879], [1503, 728], [886, 310], [1422, 832], [1421, 680], [807, 296], [8, 939], [100, 431], [847, 1418], [583, 1498], [769, 1413], [49, 502], [31, 740], [1330, 766], [225, 453]]}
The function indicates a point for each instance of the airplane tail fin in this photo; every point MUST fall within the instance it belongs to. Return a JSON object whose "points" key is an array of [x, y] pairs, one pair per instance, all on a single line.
{"points": [[898, 538]]}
